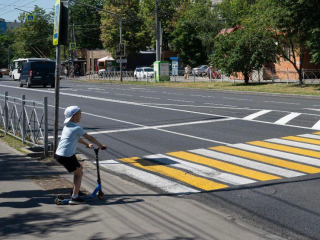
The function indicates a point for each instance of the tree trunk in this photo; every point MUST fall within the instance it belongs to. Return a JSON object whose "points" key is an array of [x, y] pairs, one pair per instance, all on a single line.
{"points": [[300, 77], [246, 78]]}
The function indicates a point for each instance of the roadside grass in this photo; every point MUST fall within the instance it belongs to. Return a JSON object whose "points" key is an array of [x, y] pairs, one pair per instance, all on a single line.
{"points": [[24, 148], [292, 88]]}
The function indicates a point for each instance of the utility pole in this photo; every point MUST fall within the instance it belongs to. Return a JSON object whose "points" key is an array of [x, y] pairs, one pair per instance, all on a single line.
{"points": [[158, 57], [120, 45]]}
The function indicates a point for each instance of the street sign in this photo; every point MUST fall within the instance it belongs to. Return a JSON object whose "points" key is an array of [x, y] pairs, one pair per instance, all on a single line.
{"points": [[30, 18], [122, 60], [73, 46], [56, 28]]}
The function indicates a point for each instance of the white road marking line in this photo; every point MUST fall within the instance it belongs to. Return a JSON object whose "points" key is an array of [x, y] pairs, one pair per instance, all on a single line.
{"points": [[316, 126], [312, 109], [278, 154], [174, 100], [120, 94], [313, 136], [152, 127], [316, 105], [222, 105], [150, 97], [248, 163], [295, 144], [287, 118], [99, 89], [257, 114], [239, 99], [200, 170], [282, 102], [145, 177], [196, 95]]}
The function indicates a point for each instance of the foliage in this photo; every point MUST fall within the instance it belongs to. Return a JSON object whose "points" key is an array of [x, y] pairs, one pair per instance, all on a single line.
{"points": [[86, 23], [6, 40], [134, 33], [243, 51], [169, 12], [34, 39], [195, 31]]}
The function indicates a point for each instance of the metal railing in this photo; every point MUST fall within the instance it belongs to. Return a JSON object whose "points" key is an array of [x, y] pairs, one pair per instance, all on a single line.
{"points": [[26, 120], [262, 75]]}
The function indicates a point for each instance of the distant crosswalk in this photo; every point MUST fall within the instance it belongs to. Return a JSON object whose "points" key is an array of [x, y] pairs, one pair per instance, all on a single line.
{"points": [[285, 118], [221, 167]]}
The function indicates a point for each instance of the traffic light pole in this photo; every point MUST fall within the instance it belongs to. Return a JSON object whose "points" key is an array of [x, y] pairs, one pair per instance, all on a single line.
{"points": [[158, 56], [56, 102]]}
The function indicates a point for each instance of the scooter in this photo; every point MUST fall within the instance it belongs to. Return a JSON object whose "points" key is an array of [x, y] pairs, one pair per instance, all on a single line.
{"points": [[62, 201]]}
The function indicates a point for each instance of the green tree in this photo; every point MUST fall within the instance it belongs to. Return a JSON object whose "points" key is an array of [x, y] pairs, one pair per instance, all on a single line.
{"points": [[134, 33], [294, 33], [243, 51], [6, 40], [169, 12], [84, 25], [34, 39], [195, 31]]}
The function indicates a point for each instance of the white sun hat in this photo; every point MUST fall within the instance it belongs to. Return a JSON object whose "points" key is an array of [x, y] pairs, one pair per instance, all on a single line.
{"points": [[69, 112]]}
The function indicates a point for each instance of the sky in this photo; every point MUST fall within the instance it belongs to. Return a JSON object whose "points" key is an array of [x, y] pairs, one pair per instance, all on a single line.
{"points": [[9, 13]]}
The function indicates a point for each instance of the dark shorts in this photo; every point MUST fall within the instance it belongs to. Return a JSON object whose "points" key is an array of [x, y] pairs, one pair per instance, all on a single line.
{"points": [[70, 163]]}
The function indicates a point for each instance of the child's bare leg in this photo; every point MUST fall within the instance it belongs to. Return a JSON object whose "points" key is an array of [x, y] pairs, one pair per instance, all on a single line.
{"points": [[77, 178]]}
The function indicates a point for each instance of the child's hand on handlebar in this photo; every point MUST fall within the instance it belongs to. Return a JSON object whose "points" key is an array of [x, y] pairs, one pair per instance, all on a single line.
{"points": [[104, 147], [90, 146]]}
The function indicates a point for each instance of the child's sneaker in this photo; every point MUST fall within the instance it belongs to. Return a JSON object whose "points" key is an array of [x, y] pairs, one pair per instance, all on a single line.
{"points": [[76, 201], [81, 194]]}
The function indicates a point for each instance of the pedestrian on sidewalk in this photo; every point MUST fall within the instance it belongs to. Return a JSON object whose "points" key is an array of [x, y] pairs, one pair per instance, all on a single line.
{"points": [[187, 71], [65, 153], [66, 72]]}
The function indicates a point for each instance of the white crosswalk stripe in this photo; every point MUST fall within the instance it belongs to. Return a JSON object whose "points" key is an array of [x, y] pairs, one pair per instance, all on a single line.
{"points": [[313, 136], [201, 170], [143, 176], [279, 154], [247, 163], [257, 114], [295, 144], [287, 118]]}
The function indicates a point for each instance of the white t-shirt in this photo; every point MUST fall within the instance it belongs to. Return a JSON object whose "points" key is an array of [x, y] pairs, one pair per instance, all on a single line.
{"points": [[69, 139]]}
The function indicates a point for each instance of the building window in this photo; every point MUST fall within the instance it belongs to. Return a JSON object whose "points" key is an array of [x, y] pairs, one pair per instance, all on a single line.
{"points": [[287, 53]]}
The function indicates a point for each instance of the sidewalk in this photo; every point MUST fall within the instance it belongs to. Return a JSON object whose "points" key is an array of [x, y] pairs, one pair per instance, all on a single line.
{"points": [[128, 211]]}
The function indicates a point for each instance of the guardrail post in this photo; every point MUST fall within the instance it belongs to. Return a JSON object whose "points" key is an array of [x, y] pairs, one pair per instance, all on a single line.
{"points": [[45, 113], [287, 76], [6, 113], [272, 75], [23, 133], [210, 74], [303, 75]]}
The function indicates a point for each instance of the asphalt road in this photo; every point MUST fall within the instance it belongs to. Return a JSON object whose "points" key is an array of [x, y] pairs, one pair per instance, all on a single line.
{"points": [[160, 138]]}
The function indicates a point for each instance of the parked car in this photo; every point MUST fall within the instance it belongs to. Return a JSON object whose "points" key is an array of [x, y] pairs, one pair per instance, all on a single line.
{"points": [[5, 71], [200, 70], [38, 73], [144, 72]]}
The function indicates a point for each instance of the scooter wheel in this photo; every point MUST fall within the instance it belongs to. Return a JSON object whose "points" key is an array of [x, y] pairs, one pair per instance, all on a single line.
{"points": [[100, 195]]}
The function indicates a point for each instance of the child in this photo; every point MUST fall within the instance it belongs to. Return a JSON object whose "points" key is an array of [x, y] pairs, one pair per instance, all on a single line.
{"points": [[65, 153]]}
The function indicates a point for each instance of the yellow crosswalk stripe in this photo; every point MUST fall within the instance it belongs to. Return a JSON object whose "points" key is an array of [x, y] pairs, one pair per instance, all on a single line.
{"points": [[267, 159], [279, 147], [227, 167], [182, 176], [302, 139], [318, 133]]}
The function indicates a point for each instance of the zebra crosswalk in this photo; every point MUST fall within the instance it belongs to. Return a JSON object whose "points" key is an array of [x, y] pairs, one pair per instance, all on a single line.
{"points": [[223, 167]]}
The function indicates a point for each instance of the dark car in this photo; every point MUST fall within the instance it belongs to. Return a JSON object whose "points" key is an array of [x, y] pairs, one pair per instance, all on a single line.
{"points": [[38, 73], [1, 76]]}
